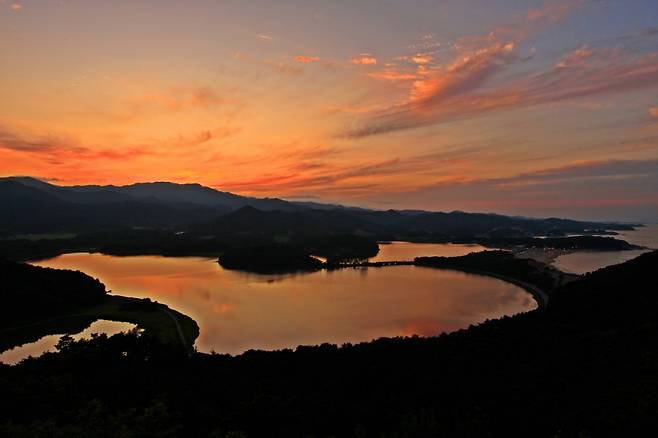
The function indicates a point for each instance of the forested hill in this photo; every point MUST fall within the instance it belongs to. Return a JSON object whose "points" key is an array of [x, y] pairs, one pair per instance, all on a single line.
{"points": [[30, 292]]}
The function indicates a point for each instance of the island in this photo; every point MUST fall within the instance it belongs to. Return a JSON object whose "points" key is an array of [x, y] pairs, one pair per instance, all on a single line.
{"points": [[269, 259]]}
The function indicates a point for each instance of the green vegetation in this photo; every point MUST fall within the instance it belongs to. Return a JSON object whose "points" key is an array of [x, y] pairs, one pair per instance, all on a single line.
{"points": [[156, 319], [41, 301], [585, 365]]}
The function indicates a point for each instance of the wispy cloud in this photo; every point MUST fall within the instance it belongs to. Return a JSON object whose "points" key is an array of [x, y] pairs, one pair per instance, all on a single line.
{"points": [[364, 59], [300, 171], [60, 148], [57, 148], [422, 59], [393, 75], [180, 98], [575, 58], [473, 83], [307, 59], [552, 12], [285, 68], [586, 189]]}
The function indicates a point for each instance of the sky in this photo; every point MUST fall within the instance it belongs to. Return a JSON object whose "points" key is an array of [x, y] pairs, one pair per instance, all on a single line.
{"points": [[535, 108]]}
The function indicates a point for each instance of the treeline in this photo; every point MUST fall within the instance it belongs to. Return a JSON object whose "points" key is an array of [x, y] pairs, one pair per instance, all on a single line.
{"points": [[43, 301], [594, 243], [240, 252], [30, 292], [269, 259], [502, 263], [299, 255], [583, 366]]}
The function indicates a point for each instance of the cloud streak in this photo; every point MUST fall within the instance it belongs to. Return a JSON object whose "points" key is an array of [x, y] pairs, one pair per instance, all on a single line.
{"points": [[588, 189], [481, 77], [180, 98], [58, 148], [458, 91], [307, 59], [364, 59]]}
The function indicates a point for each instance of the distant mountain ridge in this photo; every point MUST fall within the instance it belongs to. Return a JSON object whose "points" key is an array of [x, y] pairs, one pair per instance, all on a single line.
{"points": [[32, 205], [153, 191]]}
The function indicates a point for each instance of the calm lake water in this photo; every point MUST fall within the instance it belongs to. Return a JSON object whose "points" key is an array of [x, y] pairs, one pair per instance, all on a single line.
{"points": [[238, 311], [47, 343], [408, 251], [586, 261]]}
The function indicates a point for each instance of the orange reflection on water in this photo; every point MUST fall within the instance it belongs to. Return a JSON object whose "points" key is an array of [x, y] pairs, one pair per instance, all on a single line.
{"points": [[47, 343], [237, 311], [408, 251]]}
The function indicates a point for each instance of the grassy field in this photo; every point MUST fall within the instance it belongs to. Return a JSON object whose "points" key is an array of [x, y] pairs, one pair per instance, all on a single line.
{"points": [[156, 319]]}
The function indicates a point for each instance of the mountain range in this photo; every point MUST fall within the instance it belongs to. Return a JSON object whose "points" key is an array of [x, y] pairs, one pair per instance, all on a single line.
{"points": [[34, 206]]}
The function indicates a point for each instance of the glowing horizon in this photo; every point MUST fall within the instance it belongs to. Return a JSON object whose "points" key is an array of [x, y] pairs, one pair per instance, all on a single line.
{"points": [[533, 108]]}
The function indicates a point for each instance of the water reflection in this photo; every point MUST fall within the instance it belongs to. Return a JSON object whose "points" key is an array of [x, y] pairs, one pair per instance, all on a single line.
{"points": [[587, 261], [394, 251], [643, 236], [47, 343], [238, 311]]}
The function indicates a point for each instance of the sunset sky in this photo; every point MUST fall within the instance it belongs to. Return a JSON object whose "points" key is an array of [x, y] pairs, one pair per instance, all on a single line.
{"points": [[542, 108]]}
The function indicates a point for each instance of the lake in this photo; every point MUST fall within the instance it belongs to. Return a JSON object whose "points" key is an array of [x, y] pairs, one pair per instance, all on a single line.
{"points": [[238, 311], [398, 251], [47, 343], [581, 262]]}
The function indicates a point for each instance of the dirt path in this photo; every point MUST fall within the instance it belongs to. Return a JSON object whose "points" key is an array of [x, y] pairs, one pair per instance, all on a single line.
{"points": [[179, 329]]}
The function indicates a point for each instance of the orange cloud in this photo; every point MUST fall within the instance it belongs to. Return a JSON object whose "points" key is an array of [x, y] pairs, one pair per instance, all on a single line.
{"points": [[57, 149], [307, 59], [653, 112], [421, 59], [15, 7], [465, 88], [364, 59], [576, 57], [304, 171], [180, 98], [392, 75], [466, 73]]}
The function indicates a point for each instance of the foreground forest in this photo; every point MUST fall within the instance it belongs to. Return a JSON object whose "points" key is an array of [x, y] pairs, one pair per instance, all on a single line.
{"points": [[585, 365]]}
